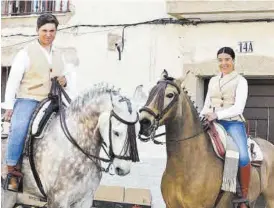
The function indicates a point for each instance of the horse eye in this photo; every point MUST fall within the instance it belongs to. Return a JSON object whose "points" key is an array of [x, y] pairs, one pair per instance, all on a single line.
{"points": [[116, 133], [170, 95]]}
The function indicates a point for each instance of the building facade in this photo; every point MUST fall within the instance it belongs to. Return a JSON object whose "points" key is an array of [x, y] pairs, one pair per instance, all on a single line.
{"points": [[118, 42], [247, 27]]}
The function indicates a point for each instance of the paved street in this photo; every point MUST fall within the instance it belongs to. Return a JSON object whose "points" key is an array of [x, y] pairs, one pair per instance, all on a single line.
{"points": [[145, 174]]}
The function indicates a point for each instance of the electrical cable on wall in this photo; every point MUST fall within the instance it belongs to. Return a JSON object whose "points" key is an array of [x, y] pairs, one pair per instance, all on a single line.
{"points": [[161, 21], [3, 47]]}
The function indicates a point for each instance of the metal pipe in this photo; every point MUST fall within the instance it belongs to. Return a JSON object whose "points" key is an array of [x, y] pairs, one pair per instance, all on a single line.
{"points": [[61, 6], [25, 8], [46, 5]]}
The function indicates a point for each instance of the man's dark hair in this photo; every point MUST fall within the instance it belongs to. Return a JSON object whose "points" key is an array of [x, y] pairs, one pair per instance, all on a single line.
{"points": [[47, 18], [228, 51]]}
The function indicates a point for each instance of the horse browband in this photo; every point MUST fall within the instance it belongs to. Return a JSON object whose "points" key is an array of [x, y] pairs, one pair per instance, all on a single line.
{"points": [[158, 117]]}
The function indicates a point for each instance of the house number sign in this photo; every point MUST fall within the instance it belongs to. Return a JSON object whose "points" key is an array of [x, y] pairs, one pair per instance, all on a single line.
{"points": [[245, 47]]}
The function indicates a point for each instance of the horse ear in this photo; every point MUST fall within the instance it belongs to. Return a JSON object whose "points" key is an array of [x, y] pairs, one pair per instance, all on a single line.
{"points": [[183, 79], [164, 74], [139, 97], [179, 82]]}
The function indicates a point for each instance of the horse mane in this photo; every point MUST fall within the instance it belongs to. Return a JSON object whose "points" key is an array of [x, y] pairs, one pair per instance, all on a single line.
{"points": [[91, 94], [194, 108], [192, 102]]}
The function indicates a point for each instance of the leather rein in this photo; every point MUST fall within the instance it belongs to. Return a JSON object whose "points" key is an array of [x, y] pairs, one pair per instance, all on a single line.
{"points": [[159, 116], [55, 95], [110, 154]]}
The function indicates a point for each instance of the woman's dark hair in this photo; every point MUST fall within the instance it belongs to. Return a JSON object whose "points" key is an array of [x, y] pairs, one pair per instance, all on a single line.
{"points": [[47, 18], [228, 51]]}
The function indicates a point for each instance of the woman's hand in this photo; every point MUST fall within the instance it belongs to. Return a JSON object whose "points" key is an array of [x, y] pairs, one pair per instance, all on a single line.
{"points": [[211, 116]]}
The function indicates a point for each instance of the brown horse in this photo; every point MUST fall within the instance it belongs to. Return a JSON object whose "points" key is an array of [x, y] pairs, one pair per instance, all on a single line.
{"points": [[193, 174]]}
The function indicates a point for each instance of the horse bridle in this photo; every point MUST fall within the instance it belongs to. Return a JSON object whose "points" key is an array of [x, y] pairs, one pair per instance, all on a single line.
{"points": [[111, 155], [161, 114], [55, 96]]}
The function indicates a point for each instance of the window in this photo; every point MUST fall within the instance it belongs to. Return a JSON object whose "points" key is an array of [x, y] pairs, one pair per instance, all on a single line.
{"points": [[19, 8], [5, 70]]}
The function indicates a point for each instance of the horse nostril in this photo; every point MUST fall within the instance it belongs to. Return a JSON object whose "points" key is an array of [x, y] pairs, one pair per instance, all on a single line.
{"points": [[145, 122], [118, 171]]}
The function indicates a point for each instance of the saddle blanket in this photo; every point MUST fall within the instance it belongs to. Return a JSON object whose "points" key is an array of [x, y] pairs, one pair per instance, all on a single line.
{"points": [[226, 149], [220, 145]]}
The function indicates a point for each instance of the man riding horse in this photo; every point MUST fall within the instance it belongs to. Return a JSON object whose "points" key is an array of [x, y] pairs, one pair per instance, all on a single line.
{"points": [[29, 83]]}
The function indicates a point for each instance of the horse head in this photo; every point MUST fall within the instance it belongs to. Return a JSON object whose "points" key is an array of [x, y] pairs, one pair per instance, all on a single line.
{"points": [[117, 128], [161, 105]]}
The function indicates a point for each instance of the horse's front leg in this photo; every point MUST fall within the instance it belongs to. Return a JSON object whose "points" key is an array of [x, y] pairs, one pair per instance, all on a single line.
{"points": [[269, 192], [85, 200], [57, 200]]}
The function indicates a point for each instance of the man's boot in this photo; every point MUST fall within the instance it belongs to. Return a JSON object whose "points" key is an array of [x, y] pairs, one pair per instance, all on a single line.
{"points": [[14, 178], [244, 182]]}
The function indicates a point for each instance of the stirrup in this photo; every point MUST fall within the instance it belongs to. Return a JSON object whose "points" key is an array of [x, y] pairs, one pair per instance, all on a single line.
{"points": [[19, 182], [238, 201]]}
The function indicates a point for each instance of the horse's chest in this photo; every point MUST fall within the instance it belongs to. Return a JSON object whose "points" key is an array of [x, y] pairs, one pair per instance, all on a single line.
{"points": [[179, 194]]}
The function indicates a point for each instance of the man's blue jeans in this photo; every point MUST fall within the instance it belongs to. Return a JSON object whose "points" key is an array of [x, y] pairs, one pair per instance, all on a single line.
{"points": [[237, 131], [20, 120]]}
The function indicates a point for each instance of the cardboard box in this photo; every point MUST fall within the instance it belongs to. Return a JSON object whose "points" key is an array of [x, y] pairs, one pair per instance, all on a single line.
{"points": [[108, 196], [137, 198], [119, 197]]}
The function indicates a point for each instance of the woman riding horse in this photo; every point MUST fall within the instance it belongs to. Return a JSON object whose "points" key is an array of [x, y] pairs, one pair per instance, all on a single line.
{"points": [[225, 102]]}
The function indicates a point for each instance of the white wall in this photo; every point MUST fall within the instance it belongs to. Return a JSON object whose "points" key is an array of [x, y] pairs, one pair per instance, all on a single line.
{"points": [[147, 51]]}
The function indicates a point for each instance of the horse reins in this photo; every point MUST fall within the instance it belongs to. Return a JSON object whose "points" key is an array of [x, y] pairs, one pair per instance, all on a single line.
{"points": [[64, 127], [134, 155], [55, 95], [158, 117], [162, 112]]}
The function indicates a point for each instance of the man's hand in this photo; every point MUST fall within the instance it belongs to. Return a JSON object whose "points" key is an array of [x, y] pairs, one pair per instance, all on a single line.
{"points": [[62, 81], [8, 114], [211, 116]]}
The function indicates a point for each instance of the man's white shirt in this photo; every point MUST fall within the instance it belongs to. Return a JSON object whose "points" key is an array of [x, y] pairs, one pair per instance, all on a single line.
{"points": [[21, 64]]}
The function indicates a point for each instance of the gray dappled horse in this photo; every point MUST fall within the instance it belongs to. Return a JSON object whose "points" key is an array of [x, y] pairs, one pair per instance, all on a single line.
{"points": [[98, 118]]}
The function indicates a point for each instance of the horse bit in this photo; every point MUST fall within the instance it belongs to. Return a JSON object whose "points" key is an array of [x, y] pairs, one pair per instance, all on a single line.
{"points": [[159, 116], [111, 155]]}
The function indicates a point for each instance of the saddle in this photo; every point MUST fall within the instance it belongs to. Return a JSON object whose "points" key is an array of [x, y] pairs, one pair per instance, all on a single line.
{"points": [[227, 150], [44, 113], [47, 111], [220, 138]]}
